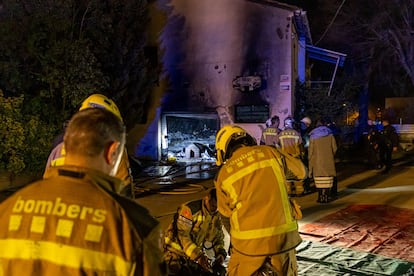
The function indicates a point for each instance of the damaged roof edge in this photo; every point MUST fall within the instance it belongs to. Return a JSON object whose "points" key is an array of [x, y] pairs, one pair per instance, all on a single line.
{"points": [[300, 17], [302, 25], [277, 4], [325, 55]]}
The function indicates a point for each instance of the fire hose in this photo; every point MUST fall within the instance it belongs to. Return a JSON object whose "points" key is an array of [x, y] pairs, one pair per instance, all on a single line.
{"points": [[169, 186]]}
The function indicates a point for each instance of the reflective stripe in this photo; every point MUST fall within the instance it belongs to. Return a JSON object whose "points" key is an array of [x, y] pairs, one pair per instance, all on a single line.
{"points": [[65, 255], [190, 250], [290, 224], [264, 232], [270, 130], [295, 137], [174, 245], [199, 218], [60, 161], [178, 247], [323, 181]]}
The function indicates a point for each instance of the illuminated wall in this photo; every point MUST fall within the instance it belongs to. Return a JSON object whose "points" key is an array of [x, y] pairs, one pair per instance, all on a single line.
{"points": [[205, 45], [209, 43]]}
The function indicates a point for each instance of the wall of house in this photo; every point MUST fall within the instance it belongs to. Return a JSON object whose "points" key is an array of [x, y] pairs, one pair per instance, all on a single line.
{"points": [[207, 44], [221, 40]]}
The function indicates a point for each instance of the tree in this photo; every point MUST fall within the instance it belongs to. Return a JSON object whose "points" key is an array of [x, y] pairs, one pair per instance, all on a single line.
{"points": [[315, 103], [24, 137], [118, 31], [379, 37], [11, 134], [45, 61], [54, 53]]}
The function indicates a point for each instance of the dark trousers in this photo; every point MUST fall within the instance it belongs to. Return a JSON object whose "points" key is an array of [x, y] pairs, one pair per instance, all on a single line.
{"points": [[372, 156], [334, 188], [385, 153]]}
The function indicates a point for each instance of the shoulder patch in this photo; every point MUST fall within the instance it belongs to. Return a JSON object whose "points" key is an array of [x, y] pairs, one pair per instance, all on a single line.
{"points": [[186, 213]]}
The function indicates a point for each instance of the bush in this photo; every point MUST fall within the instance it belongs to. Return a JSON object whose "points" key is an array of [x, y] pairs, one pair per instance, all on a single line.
{"points": [[25, 138]]}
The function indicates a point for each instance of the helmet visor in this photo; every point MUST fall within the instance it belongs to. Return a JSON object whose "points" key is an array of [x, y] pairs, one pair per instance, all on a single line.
{"points": [[118, 157]]}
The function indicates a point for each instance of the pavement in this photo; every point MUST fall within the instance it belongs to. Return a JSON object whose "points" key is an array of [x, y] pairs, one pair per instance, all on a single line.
{"points": [[162, 191]]}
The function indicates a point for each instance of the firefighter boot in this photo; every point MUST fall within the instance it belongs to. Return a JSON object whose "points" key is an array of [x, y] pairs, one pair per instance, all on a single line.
{"points": [[308, 185], [319, 195], [323, 195], [334, 189]]}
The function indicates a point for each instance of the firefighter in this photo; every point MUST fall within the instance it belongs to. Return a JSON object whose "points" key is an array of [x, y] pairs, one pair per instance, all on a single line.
{"points": [[271, 132], [196, 228], [252, 198], [370, 139], [305, 129], [290, 142], [57, 156], [388, 142], [322, 150], [74, 222]]}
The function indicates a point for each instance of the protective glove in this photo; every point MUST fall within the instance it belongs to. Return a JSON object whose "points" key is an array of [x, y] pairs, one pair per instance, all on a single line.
{"points": [[203, 261], [219, 259]]}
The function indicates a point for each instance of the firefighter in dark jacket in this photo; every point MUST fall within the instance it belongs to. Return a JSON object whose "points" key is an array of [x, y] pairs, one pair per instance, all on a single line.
{"points": [[74, 222], [196, 228], [370, 138], [388, 141]]}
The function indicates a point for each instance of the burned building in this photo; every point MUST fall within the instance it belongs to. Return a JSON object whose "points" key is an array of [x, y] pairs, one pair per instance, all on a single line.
{"points": [[223, 62]]}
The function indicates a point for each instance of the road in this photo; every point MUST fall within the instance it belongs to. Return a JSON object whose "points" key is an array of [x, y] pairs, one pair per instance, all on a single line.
{"points": [[357, 186]]}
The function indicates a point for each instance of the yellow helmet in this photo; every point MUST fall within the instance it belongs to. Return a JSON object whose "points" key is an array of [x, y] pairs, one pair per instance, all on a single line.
{"points": [[227, 137], [101, 101]]}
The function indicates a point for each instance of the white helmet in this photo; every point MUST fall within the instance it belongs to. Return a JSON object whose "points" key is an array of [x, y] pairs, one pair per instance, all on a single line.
{"points": [[307, 121], [289, 121]]}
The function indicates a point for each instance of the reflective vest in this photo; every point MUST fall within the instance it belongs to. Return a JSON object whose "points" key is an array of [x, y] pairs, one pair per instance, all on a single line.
{"points": [[290, 142], [270, 136], [73, 223], [251, 192]]}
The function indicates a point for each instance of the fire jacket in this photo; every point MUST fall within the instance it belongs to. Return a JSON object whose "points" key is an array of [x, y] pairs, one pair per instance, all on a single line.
{"points": [[57, 158], [290, 142], [193, 228], [74, 223], [321, 152], [251, 192], [270, 136], [388, 137]]}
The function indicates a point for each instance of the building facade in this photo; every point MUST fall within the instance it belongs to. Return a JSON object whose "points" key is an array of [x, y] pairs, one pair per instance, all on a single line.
{"points": [[236, 61]]}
